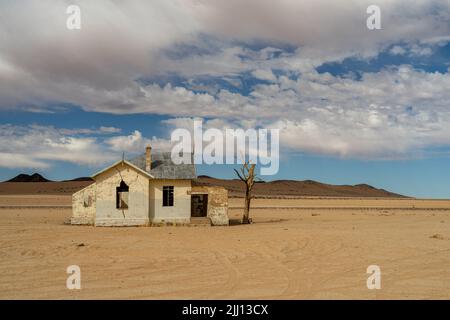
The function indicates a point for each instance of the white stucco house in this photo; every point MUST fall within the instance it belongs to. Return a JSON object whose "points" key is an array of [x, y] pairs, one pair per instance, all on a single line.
{"points": [[148, 190]]}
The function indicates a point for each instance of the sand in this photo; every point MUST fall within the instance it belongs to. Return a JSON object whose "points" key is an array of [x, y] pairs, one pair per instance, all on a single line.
{"points": [[290, 253], [7, 201], [42, 188]]}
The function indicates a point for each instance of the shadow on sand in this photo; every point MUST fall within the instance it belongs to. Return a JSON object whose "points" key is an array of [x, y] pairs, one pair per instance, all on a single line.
{"points": [[238, 222]]}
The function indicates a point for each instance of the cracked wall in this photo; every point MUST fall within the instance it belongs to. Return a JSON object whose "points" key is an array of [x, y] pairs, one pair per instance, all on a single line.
{"points": [[138, 208]]}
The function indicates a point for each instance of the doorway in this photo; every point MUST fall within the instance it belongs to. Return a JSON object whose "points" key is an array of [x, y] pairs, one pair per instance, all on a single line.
{"points": [[199, 205]]}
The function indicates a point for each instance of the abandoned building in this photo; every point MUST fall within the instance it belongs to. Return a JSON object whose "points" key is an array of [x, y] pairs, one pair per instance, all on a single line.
{"points": [[149, 190]]}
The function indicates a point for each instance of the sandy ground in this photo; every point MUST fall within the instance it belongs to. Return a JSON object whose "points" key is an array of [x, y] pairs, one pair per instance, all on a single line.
{"points": [[42, 188], [286, 254], [35, 200], [62, 200], [344, 203]]}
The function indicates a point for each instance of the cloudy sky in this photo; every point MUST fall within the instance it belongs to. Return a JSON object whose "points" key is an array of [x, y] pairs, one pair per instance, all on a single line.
{"points": [[353, 105]]}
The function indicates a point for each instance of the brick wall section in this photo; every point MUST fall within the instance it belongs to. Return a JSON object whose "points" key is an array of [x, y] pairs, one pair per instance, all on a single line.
{"points": [[217, 204]]}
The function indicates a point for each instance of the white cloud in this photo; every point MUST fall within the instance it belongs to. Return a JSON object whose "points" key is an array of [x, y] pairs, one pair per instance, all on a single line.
{"points": [[389, 113], [412, 50], [264, 74], [397, 50], [36, 146], [100, 130], [417, 50], [132, 143], [18, 160], [96, 67], [395, 113], [109, 129], [136, 143], [324, 29]]}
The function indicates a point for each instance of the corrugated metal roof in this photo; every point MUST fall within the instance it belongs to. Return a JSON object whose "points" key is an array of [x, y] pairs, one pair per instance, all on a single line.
{"points": [[164, 168]]}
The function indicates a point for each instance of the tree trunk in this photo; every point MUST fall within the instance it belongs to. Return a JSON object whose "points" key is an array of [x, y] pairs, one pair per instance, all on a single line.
{"points": [[245, 218], [247, 176]]}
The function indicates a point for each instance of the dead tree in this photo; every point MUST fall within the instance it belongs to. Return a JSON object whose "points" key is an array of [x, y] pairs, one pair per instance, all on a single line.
{"points": [[247, 175]]}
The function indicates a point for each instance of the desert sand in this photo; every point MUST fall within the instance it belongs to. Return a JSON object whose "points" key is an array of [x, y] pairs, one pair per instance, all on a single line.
{"points": [[306, 249]]}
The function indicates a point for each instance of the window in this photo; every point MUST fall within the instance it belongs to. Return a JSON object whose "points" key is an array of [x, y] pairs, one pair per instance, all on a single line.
{"points": [[87, 200], [122, 196], [168, 196]]}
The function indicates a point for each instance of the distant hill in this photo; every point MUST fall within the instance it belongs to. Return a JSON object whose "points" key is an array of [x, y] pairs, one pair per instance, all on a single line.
{"points": [[35, 177], [294, 188], [37, 184], [80, 179]]}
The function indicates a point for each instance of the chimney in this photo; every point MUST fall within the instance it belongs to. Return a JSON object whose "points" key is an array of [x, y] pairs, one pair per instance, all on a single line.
{"points": [[148, 158]]}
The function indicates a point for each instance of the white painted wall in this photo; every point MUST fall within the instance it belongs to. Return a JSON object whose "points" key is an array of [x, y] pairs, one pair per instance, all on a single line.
{"points": [[144, 200], [181, 210], [81, 213]]}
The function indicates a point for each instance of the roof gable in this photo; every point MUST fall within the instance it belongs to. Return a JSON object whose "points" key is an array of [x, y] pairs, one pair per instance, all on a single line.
{"points": [[128, 163]]}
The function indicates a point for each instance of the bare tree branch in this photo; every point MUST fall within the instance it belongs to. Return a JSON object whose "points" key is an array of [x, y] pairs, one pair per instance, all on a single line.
{"points": [[247, 176]]}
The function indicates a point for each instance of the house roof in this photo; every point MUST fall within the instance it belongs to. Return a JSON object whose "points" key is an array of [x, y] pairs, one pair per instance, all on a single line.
{"points": [[164, 168], [126, 162]]}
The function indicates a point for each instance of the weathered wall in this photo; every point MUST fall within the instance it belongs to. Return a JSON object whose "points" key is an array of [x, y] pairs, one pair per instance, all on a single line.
{"points": [[83, 205], [181, 210], [217, 204], [138, 207], [96, 204]]}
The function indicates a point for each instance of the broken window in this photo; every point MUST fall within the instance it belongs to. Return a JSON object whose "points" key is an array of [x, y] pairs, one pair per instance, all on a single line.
{"points": [[122, 196], [87, 200], [168, 196]]}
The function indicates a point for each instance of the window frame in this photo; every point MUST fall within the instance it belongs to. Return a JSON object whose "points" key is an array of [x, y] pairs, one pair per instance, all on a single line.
{"points": [[168, 198]]}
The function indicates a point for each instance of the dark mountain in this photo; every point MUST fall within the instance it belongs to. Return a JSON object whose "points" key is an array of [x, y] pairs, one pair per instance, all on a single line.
{"points": [[35, 177], [37, 184]]}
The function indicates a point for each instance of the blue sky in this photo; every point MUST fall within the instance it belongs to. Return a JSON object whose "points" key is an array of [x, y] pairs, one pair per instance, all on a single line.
{"points": [[352, 105]]}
